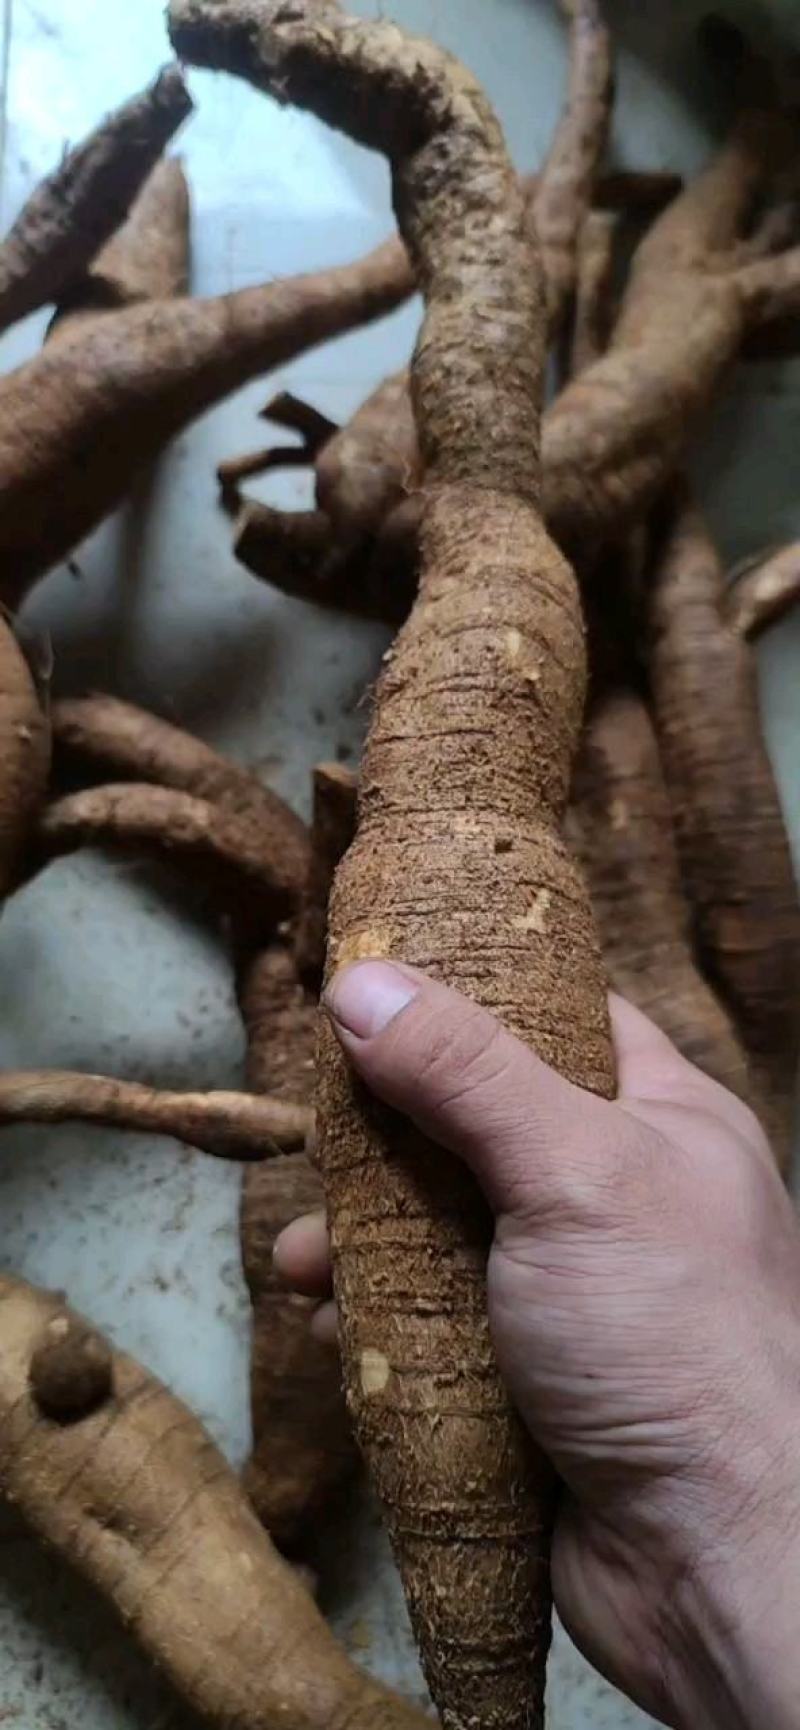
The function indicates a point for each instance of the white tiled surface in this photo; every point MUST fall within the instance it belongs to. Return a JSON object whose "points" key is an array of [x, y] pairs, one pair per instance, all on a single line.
{"points": [[101, 964]]}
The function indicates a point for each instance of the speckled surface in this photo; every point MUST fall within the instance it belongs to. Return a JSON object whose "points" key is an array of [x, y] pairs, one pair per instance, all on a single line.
{"points": [[102, 966]]}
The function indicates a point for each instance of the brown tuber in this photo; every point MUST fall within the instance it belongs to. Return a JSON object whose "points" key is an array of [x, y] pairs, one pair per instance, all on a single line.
{"points": [[82, 203], [220, 850], [79, 420], [620, 823], [146, 259], [122, 1493], [485, 682], [731, 835], [112, 738]]}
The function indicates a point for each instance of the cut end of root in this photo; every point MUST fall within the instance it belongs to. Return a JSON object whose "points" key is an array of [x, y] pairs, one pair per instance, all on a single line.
{"points": [[71, 1370]]}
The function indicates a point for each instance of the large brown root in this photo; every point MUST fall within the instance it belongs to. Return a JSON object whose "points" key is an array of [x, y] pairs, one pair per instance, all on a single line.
{"points": [[731, 835], [24, 757], [146, 259], [76, 210], [222, 852], [228, 1125], [621, 825], [130, 1490], [762, 592], [78, 421], [450, 800], [117, 739]]}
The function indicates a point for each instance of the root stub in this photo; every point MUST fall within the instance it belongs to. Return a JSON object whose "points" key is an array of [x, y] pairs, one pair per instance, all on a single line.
{"points": [[71, 1369]]}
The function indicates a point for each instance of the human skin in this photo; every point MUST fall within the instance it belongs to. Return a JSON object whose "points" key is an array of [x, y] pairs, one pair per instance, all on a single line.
{"points": [[644, 1288]]}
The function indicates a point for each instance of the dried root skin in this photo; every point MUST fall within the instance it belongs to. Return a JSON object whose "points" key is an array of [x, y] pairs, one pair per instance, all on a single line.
{"points": [[82, 203], [621, 825], [79, 420], [222, 852], [147, 258], [303, 1448], [731, 835], [229, 1125], [117, 739], [763, 592], [25, 757], [333, 827], [567, 181], [464, 784], [123, 1494]]}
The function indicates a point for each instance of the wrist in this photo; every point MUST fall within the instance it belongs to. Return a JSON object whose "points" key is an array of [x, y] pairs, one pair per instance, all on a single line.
{"points": [[733, 1637]]}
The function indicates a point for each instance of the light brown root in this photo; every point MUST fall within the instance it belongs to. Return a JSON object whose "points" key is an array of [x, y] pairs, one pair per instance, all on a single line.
{"points": [[147, 258], [131, 1491], [114, 739], [621, 824], [333, 826], [731, 835], [567, 181], [457, 865], [76, 210], [222, 852], [150, 369], [762, 591], [228, 1125], [24, 757]]}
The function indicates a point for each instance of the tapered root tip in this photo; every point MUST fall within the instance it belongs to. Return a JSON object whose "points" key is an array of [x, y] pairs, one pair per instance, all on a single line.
{"points": [[71, 1370]]}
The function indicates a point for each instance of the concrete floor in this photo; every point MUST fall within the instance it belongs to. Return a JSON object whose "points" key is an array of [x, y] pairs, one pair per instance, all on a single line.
{"points": [[103, 967]]}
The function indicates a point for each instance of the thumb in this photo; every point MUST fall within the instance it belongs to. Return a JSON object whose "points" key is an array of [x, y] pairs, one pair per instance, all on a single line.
{"points": [[471, 1086]]}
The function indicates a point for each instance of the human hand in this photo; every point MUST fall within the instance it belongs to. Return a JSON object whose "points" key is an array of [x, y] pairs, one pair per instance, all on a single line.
{"points": [[644, 1293]]}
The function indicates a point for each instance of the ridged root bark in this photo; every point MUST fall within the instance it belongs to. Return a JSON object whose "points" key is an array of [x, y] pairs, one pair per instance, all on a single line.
{"points": [[457, 865]]}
